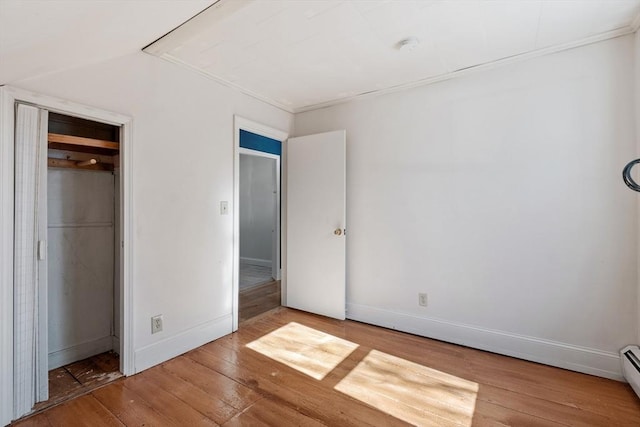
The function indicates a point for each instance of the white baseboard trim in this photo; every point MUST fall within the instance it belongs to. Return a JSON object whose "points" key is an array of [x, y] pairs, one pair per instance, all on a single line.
{"points": [[78, 352], [170, 347], [256, 261], [567, 356]]}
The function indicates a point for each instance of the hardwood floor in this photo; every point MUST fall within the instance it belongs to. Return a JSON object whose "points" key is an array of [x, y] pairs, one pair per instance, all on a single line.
{"points": [[252, 275], [258, 299], [80, 377], [289, 368]]}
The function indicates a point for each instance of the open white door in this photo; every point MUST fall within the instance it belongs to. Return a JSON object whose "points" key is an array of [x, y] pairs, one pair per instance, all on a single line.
{"points": [[316, 199]]}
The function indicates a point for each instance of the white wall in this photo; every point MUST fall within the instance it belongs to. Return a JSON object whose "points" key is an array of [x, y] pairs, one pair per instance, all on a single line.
{"points": [[257, 208], [80, 264], [182, 169], [500, 195]]}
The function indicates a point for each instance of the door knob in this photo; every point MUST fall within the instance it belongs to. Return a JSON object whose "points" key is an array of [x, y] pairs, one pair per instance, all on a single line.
{"points": [[338, 232]]}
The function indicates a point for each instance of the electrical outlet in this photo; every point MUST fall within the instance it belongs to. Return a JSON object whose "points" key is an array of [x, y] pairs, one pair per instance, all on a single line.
{"points": [[422, 300], [156, 324]]}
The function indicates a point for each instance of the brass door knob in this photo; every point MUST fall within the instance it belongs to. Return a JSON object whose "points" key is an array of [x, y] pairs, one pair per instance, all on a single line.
{"points": [[338, 232]]}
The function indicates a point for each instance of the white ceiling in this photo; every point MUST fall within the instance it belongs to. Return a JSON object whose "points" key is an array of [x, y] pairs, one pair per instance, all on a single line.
{"points": [[301, 54], [43, 36]]}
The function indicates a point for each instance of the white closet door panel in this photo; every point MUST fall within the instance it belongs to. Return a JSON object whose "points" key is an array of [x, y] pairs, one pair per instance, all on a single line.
{"points": [[30, 381], [80, 196], [80, 285]]}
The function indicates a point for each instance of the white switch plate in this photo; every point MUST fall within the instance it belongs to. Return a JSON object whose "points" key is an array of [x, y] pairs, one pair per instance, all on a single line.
{"points": [[224, 207], [156, 324]]}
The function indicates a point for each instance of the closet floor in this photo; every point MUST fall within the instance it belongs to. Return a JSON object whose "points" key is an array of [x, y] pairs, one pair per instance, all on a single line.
{"points": [[81, 377]]}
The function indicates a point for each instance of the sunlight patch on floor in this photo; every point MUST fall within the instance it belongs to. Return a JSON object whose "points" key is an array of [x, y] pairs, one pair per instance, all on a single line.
{"points": [[304, 349], [411, 392]]}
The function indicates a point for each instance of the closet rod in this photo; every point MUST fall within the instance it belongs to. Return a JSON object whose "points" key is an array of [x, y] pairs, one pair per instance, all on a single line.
{"points": [[87, 162], [73, 164]]}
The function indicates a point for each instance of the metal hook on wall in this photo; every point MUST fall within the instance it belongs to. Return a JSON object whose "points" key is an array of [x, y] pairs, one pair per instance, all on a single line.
{"points": [[626, 175]]}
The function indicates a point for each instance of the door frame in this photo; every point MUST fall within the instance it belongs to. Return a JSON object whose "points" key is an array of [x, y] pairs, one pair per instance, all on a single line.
{"points": [[279, 135], [8, 98], [275, 247]]}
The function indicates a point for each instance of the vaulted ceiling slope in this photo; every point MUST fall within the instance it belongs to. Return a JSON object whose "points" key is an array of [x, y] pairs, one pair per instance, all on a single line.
{"points": [[43, 36], [303, 54]]}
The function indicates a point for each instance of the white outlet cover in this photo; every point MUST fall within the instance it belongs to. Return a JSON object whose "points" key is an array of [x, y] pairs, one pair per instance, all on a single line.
{"points": [[224, 207], [156, 324]]}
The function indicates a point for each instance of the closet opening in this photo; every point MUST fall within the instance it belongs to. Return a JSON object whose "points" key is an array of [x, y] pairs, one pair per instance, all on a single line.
{"points": [[83, 256]]}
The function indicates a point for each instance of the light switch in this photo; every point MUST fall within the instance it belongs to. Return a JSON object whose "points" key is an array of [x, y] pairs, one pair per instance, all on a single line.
{"points": [[224, 207]]}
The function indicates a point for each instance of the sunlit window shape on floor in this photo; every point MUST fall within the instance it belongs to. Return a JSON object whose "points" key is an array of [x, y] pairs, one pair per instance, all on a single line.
{"points": [[304, 349], [411, 392]]}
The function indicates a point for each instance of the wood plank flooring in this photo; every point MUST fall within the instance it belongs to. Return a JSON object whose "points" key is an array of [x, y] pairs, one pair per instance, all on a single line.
{"points": [[80, 377], [252, 275], [258, 299], [289, 368]]}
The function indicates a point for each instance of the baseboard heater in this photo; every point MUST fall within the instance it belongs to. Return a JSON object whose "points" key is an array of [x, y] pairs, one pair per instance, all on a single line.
{"points": [[630, 357]]}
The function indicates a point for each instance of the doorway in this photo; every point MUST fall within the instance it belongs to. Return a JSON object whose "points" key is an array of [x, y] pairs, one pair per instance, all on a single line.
{"points": [[40, 160], [257, 220], [259, 205]]}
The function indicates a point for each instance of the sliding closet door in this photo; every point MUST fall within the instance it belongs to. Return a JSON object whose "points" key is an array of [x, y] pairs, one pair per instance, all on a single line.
{"points": [[30, 317]]}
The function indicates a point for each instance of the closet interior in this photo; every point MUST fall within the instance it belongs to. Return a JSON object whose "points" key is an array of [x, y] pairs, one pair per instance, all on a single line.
{"points": [[83, 272]]}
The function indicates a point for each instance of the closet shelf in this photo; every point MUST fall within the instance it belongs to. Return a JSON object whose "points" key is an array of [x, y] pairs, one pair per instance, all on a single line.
{"points": [[78, 143]]}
